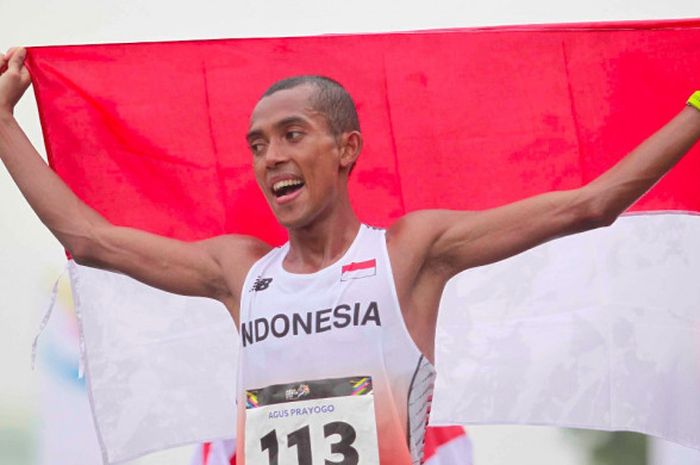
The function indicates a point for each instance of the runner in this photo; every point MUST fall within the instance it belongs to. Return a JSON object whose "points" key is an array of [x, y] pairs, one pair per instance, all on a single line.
{"points": [[337, 326]]}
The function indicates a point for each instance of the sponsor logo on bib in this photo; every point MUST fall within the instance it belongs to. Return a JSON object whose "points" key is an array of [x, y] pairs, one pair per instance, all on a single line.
{"points": [[301, 391]]}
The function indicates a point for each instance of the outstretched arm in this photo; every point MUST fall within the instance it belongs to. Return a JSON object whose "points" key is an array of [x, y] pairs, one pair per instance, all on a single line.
{"points": [[428, 247], [455, 241], [211, 268]]}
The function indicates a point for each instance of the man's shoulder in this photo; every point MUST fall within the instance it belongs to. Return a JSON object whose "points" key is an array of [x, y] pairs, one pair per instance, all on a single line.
{"points": [[237, 253], [409, 238], [419, 225], [413, 238], [240, 244]]}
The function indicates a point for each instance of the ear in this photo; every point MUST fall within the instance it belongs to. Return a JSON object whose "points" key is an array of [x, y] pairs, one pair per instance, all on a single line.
{"points": [[350, 148]]}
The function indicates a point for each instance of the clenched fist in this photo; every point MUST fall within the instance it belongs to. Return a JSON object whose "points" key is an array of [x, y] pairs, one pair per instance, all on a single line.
{"points": [[14, 78]]}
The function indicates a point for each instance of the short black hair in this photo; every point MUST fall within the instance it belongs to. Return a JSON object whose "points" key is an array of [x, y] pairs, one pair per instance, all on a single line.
{"points": [[329, 98]]}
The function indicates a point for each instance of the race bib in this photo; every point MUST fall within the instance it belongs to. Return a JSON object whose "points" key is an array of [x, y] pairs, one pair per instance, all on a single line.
{"points": [[322, 422]]}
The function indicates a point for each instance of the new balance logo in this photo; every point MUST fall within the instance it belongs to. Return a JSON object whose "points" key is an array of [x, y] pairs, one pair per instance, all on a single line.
{"points": [[261, 284]]}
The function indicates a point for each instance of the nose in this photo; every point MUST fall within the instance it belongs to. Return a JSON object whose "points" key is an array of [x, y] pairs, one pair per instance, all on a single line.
{"points": [[275, 154]]}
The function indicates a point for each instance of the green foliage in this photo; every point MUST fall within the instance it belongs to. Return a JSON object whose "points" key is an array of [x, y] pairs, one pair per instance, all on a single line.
{"points": [[16, 446], [612, 448]]}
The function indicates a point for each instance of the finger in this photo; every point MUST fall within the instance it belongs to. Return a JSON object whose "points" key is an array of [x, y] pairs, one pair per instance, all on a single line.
{"points": [[7, 55], [17, 59], [25, 76]]}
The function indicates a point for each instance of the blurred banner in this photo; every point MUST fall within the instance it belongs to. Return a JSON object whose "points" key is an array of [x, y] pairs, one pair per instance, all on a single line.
{"points": [[67, 433]]}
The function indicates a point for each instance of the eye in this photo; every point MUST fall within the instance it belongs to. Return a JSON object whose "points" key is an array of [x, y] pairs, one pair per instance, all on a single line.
{"points": [[257, 147], [293, 136]]}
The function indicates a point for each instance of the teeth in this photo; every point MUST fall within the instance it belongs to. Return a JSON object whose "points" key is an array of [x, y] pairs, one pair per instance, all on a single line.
{"points": [[286, 183]]}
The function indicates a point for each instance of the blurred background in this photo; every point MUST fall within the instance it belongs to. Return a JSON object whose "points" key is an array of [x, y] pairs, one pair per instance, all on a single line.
{"points": [[44, 413]]}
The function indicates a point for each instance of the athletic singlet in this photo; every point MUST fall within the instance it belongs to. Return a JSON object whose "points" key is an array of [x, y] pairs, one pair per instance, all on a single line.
{"points": [[328, 372]]}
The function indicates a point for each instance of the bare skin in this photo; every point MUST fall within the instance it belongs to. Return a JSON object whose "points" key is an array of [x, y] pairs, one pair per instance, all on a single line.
{"points": [[291, 141]]}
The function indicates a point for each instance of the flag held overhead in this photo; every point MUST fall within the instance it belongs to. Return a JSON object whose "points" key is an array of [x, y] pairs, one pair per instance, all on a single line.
{"points": [[599, 331]]}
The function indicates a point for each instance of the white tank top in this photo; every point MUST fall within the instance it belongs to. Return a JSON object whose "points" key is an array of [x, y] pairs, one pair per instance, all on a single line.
{"points": [[328, 370]]}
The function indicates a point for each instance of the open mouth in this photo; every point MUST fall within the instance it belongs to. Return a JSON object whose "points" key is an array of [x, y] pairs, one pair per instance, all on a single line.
{"points": [[286, 187]]}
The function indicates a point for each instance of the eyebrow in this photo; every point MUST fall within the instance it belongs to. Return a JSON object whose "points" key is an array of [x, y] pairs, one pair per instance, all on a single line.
{"points": [[288, 121]]}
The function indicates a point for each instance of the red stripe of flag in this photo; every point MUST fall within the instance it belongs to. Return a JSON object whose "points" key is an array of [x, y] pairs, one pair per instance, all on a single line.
{"points": [[354, 266], [438, 132]]}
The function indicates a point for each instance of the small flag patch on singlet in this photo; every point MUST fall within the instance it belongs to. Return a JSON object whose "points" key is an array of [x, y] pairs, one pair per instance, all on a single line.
{"points": [[357, 270]]}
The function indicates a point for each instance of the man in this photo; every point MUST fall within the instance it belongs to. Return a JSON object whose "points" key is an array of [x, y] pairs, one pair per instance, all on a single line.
{"points": [[338, 325]]}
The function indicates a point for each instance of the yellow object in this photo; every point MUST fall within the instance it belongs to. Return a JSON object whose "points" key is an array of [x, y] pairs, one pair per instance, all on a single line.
{"points": [[694, 100]]}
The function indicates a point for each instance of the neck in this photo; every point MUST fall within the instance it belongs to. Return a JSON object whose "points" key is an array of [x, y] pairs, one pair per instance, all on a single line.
{"points": [[323, 242]]}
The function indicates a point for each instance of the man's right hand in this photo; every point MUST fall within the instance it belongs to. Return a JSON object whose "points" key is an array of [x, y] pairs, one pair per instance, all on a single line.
{"points": [[14, 78]]}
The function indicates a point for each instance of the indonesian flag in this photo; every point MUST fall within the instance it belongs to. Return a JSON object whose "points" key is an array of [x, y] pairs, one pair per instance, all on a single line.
{"points": [[444, 445], [599, 330], [356, 270]]}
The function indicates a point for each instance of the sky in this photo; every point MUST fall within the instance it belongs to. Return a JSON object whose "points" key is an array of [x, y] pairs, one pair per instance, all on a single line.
{"points": [[30, 259]]}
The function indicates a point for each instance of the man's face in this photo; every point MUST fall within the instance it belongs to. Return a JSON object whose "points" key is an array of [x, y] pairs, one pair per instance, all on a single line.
{"points": [[295, 157]]}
